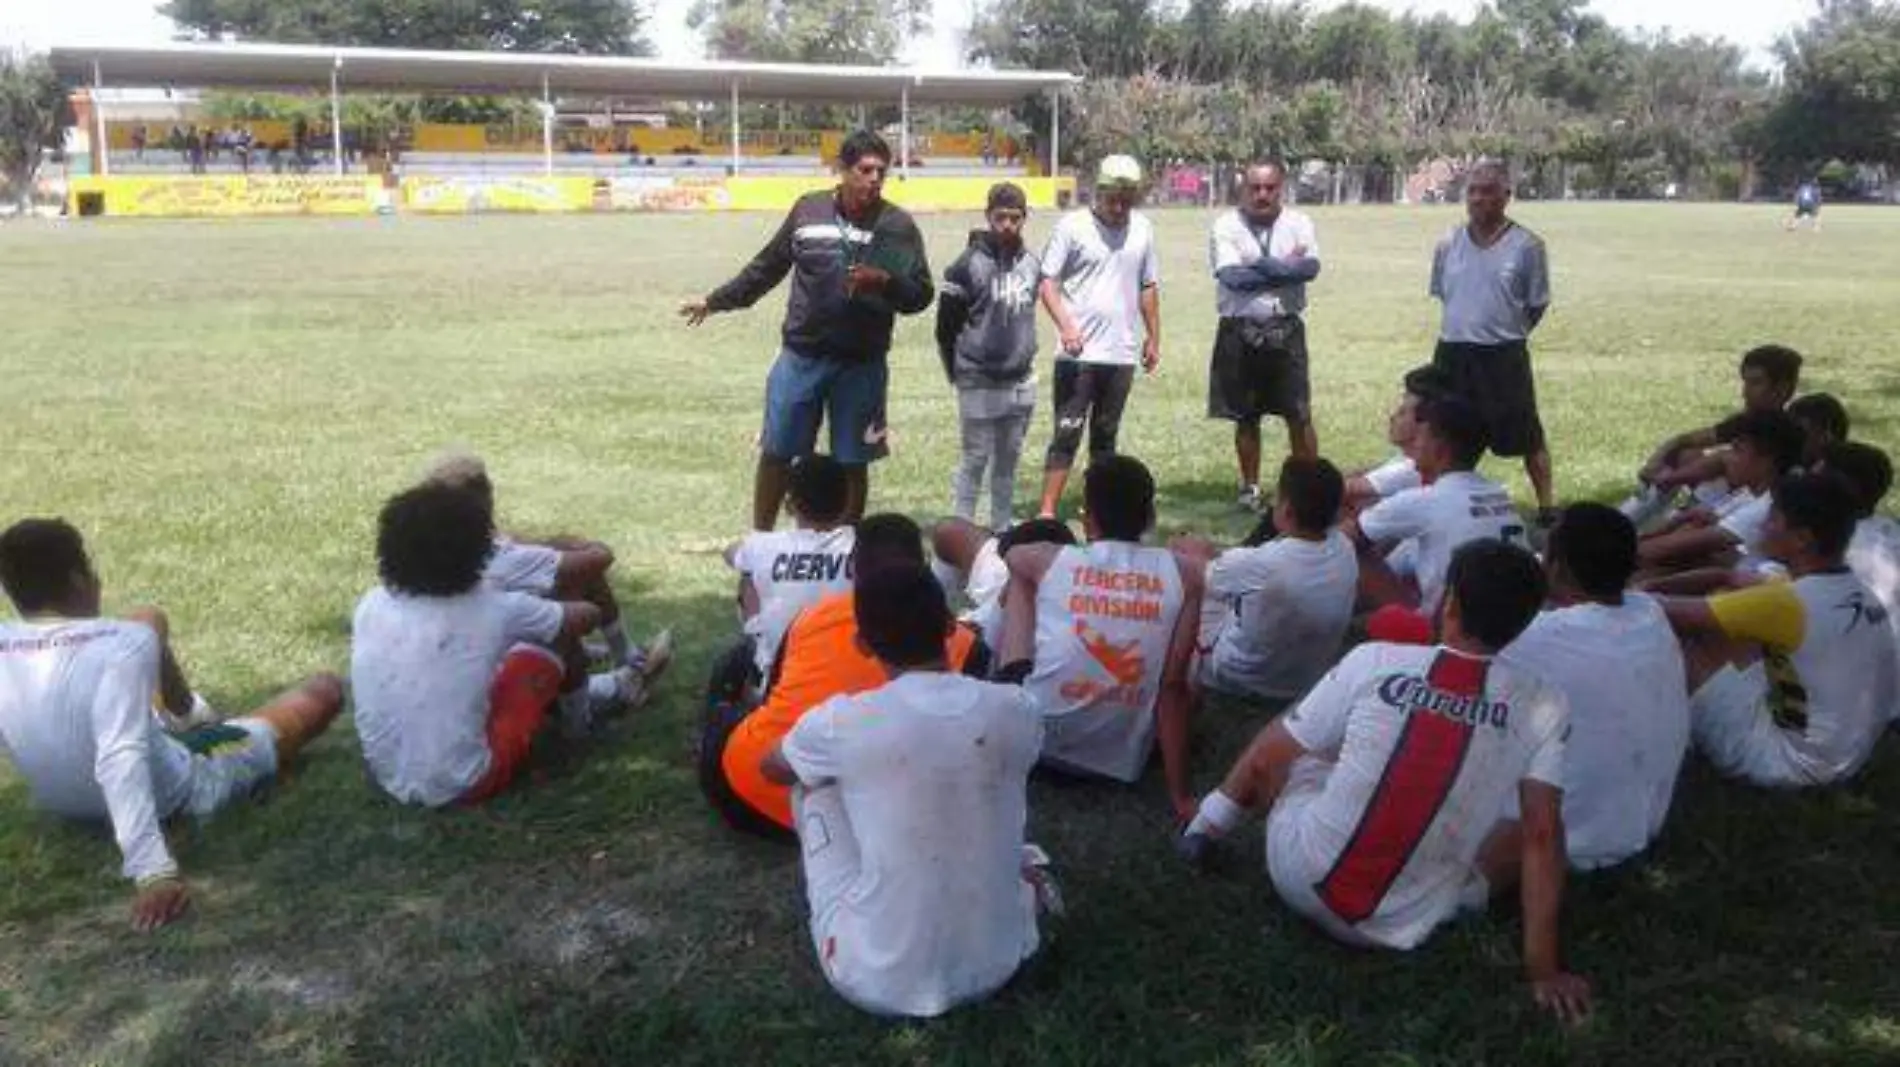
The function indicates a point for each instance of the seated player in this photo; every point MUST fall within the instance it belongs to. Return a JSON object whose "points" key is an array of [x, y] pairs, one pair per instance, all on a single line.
{"points": [[1455, 505], [968, 557], [1792, 681], [77, 719], [912, 801], [1273, 617], [783, 572], [1823, 421], [1763, 446], [1874, 552], [1769, 376], [1388, 788], [820, 658], [1103, 636], [453, 678], [1401, 471], [1616, 660], [561, 568]]}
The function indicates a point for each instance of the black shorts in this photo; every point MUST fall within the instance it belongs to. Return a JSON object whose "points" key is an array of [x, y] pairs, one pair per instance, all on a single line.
{"points": [[1259, 368], [1496, 379], [725, 710], [1091, 396]]}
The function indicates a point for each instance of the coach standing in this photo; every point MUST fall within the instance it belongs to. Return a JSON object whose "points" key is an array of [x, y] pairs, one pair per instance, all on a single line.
{"points": [[1262, 255], [1493, 278], [856, 263]]}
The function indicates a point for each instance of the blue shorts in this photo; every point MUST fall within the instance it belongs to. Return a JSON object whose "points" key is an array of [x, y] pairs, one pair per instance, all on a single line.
{"points": [[801, 391]]}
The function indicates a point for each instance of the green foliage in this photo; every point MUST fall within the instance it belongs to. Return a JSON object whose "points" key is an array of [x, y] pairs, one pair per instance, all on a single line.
{"points": [[589, 27], [34, 114], [809, 31]]}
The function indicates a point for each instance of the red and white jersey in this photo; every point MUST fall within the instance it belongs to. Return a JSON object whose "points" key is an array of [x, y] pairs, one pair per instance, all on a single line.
{"points": [[1105, 615], [1428, 748]]}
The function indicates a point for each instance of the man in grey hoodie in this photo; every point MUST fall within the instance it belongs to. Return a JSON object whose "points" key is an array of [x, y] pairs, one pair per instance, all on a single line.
{"points": [[986, 334]]}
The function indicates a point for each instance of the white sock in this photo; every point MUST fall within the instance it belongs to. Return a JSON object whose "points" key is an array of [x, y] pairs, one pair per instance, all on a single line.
{"points": [[617, 643], [603, 688], [1217, 815]]}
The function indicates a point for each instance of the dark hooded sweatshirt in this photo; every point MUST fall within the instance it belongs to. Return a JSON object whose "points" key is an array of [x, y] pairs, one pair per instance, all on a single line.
{"points": [[986, 315]]}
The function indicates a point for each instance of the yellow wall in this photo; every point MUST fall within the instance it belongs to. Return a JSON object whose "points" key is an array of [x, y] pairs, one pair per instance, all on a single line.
{"points": [[175, 197], [459, 196]]}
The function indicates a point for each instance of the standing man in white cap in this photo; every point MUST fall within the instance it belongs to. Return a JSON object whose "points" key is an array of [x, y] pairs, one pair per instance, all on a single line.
{"points": [[1101, 283]]}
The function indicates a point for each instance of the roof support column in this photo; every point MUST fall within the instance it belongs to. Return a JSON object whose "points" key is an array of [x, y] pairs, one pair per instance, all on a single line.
{"points": [[547, 127], [903, 129], [336, 116], [101, 148], [735, 127], [1055, 134]]}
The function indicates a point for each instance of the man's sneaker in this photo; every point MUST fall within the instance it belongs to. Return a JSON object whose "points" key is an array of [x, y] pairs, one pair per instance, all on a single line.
{"points": [[1048, 891], [1201, 852], [652, 660], [200, 715], [1249, 498]]}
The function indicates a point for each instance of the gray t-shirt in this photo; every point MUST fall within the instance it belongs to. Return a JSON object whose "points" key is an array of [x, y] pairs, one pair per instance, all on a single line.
{"points": [[1489, 294], [1102, 273]]}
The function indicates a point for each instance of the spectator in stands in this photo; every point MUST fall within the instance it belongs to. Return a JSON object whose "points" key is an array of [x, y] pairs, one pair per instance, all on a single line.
{"points": [[856, 263]]}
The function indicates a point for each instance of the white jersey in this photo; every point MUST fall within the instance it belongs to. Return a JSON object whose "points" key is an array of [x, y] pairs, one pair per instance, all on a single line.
{"points": [[791, 570], [1744, 518], [1428, 748], [1459, 507], [420, 672], [1394, 476], [1105, 616], [76, 718], [1621, 671], [1101, 273], [1235, 241], [911, 817], [1874, 557], [519, 568], [1290, 601]]}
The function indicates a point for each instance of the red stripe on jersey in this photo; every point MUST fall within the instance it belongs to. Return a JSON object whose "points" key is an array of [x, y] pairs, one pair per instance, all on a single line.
{"points": [[1417, 779]]}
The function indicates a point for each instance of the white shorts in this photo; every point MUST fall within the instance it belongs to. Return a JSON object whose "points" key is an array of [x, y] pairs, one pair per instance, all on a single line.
{"points": [[519, 568], [226, 770], [1733, 728]]}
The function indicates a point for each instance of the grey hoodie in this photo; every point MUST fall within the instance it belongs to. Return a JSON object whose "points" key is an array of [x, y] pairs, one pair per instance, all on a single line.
{"points": [[986, 314]]}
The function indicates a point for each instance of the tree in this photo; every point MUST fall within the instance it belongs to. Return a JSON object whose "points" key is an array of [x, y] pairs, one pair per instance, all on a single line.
{"points": [[585, 27], [34, 114], [1842, 99], [870, 32]]}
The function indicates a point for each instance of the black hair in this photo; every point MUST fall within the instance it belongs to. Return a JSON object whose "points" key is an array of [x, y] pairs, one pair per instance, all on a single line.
{"points": [[1865, 467], [1774, 434], [1429, 382], [1035, 532], [902, 614], [434, 540], [1780, 363], [886, 540], [1499, 589], [1456, 423], [1823, 412], [863, 143], [1314, 489], [1268, 163], [1120, 495], [1825, 505], [39, 561], [1006, 196], [1595, 545], [817, 487]]}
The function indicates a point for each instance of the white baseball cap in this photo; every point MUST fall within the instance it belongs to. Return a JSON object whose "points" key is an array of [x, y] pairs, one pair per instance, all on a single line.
{"points": [[1118, 170]]}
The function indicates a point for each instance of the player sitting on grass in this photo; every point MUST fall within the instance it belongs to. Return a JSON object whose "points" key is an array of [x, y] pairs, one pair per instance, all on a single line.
{"points": [[1769, 376], [912, 800], [1102, 636], [820, 658], [1422, 527], [1763, 446], [1274, 616], [783, 572], [1388, 789], [454, 678], [1399, 473], [559, 568], [1616, 660], [76, 716], [1874, 552], [969, 558], [1792, 680]]}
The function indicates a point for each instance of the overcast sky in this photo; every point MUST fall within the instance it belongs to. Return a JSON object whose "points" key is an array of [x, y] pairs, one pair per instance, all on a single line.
{"points": [[1752, 23]]}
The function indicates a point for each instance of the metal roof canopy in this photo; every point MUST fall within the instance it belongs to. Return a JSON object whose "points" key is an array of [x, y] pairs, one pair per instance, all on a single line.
{"points": [[312, 67]]}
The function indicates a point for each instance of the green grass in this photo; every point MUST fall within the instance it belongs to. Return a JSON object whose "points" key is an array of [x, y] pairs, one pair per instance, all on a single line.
{"points": [[222, 406]]}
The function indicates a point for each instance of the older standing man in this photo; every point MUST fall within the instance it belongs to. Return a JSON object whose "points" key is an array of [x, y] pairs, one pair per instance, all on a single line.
{"points": [[1493, 278], [856, 262], [1262, 255]]}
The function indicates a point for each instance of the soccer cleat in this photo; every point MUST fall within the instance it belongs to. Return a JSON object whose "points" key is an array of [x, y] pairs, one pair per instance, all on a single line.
{"points": [[200, 715], [1201, 852]]}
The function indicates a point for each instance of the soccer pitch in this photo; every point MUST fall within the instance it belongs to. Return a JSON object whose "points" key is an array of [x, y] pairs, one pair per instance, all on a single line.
{"points": [[221, 407]]}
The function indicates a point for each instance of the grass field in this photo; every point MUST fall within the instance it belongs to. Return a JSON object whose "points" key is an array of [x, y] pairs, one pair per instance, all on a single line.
{"points": [[222, 406]]}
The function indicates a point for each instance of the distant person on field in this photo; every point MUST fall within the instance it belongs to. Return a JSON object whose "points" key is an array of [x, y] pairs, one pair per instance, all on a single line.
{"points": [[986, 334], [454, 678], [1793, 680], [78, 718], [1101, 284], [856, 262], [1770, 374], [1493, 278], [912, 802], [1616, 660], [1262, 254], [1807, 206], [1414, 783]]}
